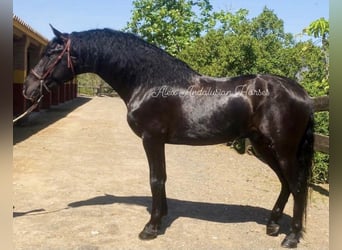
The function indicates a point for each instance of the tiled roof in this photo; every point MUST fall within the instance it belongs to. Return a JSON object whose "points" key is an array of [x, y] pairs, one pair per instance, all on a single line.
{"points": [[28, 29]]}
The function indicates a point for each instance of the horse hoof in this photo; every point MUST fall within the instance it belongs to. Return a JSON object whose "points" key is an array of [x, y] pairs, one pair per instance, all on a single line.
{"points": [[290, 241], [272, 229], [148, 233], [147, 236]]}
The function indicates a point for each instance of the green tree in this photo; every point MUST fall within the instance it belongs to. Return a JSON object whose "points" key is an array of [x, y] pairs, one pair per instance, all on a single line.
{"points": [[267, 24], [231, 23], [320, 29], [170, 24], [237, 45]]}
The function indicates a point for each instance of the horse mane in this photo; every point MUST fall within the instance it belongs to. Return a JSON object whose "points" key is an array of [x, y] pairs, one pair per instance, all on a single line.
{"points": [[132, 55]]}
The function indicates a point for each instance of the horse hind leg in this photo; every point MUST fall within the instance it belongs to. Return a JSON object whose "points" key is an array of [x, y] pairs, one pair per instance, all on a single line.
{"points": [[298, 176], [289, 154], [298, 188], [293, 175], [273, 227], [265, 152]]}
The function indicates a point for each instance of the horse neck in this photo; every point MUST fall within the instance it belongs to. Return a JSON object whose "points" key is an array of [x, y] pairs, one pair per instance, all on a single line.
{"points": [[126, 66]]}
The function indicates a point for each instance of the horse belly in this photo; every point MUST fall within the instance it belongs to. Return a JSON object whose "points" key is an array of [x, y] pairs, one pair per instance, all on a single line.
{"points": [[206, 122], [206, 134], [199, 140]]}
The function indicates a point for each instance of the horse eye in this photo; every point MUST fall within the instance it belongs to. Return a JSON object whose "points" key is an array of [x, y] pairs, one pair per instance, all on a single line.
{"points": [[58, 48]]}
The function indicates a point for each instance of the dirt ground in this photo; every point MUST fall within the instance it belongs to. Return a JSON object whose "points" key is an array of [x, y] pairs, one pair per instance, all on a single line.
{"points": [[80, 181]]}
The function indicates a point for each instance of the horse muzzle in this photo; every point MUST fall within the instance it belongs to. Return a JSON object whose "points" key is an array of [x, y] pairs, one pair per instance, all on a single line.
{"points": [[31, 93]]}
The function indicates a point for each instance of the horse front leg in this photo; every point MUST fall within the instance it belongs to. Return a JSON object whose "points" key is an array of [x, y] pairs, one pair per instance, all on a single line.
{"points": [[155, 151]]}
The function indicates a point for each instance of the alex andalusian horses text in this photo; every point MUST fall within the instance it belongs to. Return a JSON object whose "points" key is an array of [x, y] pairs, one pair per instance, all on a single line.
{"points": [[168, 102]]}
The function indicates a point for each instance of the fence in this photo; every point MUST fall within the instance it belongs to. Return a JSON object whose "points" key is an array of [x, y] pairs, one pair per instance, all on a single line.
{"points": [[321, 141], [96, 91]]}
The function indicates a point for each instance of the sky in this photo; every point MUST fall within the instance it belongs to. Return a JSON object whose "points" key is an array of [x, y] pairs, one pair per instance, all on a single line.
{"points": [[80, 15]]}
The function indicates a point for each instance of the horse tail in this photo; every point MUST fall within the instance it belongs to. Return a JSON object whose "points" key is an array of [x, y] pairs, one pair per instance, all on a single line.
{"points": [[305, 156]]}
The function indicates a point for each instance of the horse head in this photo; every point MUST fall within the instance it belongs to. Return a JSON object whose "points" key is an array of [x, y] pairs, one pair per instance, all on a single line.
{"points": [[55, 67]]}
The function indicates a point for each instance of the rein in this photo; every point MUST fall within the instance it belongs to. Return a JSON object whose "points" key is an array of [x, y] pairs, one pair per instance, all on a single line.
{"points": [[43, 77]]}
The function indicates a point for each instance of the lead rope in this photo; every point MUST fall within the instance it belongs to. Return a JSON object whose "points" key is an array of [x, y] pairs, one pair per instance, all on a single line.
{"points": [[29, 110]]}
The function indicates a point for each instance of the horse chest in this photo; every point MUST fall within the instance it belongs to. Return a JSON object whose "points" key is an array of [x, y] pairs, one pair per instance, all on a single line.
{"points": [[150, 115]]}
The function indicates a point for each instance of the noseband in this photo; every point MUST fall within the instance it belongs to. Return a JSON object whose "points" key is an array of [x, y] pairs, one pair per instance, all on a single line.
{"points": [[43, 77]]}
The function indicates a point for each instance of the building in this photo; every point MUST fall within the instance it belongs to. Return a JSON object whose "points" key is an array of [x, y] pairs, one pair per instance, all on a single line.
{"points": [[27, 47]]}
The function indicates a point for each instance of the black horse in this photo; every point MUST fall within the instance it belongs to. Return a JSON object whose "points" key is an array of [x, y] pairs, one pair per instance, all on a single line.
{"points": [[168, 102]]}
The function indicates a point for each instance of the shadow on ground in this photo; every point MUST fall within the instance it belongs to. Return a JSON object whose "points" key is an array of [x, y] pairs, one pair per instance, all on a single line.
{"points": [[37, 121], [214, 212]]}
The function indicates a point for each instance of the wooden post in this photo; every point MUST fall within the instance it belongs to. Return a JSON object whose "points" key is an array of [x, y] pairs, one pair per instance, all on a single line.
{"points": [[321, 103], [321, 143]]}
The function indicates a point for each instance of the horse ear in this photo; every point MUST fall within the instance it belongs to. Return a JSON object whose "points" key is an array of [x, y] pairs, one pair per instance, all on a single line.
{"points": [[59, 34]]}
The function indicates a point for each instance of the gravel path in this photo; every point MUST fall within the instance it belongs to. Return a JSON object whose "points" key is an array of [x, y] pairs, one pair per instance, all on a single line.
{"points": [[81, 182]]}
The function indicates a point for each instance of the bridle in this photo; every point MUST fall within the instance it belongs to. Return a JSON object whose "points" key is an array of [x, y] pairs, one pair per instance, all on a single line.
{"points": [[43, 77]]}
